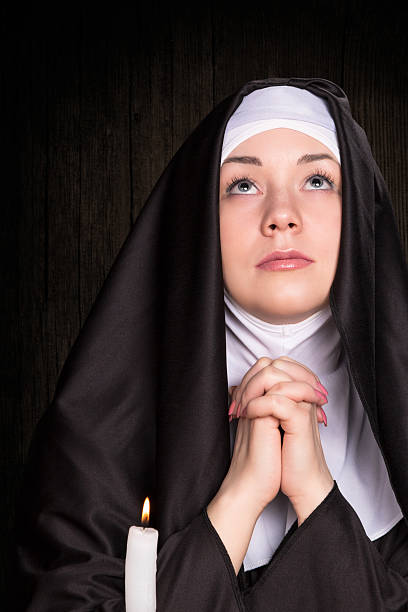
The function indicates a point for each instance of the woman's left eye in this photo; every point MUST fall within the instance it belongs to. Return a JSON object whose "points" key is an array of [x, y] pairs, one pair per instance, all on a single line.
{"points": [[241, 186], [318, 182]]}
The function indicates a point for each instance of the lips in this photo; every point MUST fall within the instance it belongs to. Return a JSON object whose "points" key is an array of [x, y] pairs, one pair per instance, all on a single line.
{"points": [[290, 254]]}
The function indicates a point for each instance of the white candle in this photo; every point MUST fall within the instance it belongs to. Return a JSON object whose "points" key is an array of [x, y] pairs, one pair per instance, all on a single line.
{"points": [[140, 569]]}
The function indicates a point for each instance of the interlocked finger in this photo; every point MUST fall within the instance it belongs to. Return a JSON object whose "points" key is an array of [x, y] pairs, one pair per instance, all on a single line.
{"points": [[293, 416], [297, 391], [265, 373], [259, 365]]}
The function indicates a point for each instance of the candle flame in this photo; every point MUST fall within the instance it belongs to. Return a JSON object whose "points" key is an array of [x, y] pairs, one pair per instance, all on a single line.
{"points": [[146, 512]]}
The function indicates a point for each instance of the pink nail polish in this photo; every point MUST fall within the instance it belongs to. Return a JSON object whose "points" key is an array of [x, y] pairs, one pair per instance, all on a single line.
{"points": [[324, 417], [321, 394], [231, 408], [230, 418], [323, 389]]}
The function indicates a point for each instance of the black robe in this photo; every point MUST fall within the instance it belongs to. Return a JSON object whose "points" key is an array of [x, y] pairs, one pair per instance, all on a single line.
{"points": [[140, 408]]}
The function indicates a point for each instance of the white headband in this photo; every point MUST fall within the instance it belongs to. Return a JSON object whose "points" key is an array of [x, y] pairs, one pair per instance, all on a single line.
{"points": [[281, 106]]}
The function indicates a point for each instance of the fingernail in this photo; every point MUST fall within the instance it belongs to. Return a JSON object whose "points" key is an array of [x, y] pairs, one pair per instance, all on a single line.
{"points": [[322, 395], [230, 418], [231, 408], [324, 417], [323, 389]]}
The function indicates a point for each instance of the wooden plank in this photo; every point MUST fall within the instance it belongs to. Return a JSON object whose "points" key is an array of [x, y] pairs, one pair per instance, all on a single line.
{"points": [[171, 88], [62, 199], [24, 221], [375, 80], [151, 86], [192, 69], [279, 39], [105, 170]]}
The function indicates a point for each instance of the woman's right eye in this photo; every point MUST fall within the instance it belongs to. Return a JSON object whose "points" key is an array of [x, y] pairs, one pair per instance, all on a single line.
{"points": [[241, 186]]}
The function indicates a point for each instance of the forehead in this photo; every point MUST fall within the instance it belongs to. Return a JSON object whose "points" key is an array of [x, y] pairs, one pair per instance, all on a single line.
{"points": [[279, 140], [280, 145], [287, 145]]}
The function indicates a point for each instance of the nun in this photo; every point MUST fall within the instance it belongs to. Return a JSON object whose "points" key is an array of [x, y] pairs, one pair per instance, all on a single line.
{"points": [[244, 366]]}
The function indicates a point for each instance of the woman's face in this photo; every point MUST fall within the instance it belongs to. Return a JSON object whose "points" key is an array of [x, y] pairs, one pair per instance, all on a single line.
{"points": [[276, 195]]}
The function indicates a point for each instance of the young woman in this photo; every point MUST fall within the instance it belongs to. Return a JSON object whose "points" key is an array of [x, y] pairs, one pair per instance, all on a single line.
{"points": [[267, 261]]}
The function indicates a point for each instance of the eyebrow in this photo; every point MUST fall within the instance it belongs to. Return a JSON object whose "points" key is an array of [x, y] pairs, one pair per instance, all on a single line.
{"points": [[305, 159]]}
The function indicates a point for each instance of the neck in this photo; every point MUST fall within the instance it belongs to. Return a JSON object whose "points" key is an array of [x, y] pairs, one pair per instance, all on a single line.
{"points": [[314, 341], [284, 319]]}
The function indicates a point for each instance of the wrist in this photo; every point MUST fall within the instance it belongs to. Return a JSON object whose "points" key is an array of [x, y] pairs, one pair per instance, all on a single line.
{"points": [[233, 517], [238, 498], [304, 505]]}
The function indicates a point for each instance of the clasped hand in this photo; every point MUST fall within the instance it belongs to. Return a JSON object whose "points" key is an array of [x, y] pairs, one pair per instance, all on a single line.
{"points": [[280, 392]]}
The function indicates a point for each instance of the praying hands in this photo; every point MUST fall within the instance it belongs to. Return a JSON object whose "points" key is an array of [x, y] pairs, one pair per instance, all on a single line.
{"points": [[280, 392]]}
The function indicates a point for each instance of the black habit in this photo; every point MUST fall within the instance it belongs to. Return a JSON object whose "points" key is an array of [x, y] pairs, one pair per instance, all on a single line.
{"points": [[140, 408]]}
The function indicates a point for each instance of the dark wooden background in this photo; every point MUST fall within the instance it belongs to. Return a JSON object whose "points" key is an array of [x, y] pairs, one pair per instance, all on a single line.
{"points": [[95, 104]]}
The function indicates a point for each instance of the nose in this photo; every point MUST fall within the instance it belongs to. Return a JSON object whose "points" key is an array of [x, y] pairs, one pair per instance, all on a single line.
{"points": [[281, 214]]}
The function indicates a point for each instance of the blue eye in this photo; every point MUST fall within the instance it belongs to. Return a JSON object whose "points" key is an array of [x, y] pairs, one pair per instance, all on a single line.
{"points": [[318, 181], [242, 185]]}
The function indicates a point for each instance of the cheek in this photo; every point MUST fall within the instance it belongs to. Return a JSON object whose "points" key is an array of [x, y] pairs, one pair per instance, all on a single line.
{"points": [[329, 237], [237, 244], [231, 233]]}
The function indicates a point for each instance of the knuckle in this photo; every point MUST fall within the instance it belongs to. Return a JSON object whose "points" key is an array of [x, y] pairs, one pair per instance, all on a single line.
{"points": [[246, 400], [251, 404], [279, 364], [270, 377], [276, 400], [278, 386], [264, 361], [281, 359]]}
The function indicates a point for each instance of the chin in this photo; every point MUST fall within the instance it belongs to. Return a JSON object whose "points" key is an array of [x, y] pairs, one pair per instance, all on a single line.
{"points": [[285, 313]]}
